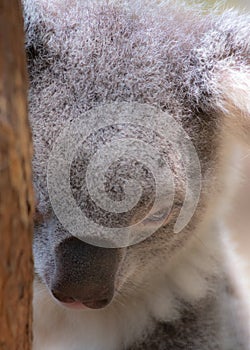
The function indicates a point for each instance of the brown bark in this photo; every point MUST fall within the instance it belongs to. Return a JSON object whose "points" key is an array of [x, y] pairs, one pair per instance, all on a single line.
{"points": [[16, 203]]}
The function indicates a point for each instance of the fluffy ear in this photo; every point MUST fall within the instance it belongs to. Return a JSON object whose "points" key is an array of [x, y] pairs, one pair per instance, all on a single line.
{"points": [[234, 101]]}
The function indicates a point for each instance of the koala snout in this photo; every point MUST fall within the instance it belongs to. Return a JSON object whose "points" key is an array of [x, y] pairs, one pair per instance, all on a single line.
{"points": [[84, 274]]}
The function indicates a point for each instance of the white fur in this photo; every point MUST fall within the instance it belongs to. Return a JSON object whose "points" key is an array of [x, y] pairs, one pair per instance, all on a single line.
{"points": [[185, 278]]}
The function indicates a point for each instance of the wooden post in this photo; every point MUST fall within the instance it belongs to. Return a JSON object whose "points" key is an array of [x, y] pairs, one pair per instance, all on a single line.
{"points": [[16, 197]]}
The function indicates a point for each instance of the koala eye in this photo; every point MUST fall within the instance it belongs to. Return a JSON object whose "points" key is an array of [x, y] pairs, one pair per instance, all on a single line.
{"points": [[157, 217], [37, 216]]}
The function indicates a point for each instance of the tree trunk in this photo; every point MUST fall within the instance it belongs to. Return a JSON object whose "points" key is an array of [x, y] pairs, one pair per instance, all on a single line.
{"points": [[16, 196]]}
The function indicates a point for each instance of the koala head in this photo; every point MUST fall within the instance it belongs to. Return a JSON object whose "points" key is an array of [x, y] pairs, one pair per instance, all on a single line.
{"points": [[158, 88]]}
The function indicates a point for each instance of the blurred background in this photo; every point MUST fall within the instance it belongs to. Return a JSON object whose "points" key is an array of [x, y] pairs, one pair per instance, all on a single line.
{"points": [[239, 215], [243, 5]]}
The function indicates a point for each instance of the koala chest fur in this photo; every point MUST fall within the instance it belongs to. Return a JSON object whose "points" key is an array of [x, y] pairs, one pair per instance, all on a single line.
{"points": [[133, 107], [178, 309]]}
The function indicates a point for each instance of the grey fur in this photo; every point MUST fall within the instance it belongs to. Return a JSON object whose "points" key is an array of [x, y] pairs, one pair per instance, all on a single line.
{"points": [[83, 54]]}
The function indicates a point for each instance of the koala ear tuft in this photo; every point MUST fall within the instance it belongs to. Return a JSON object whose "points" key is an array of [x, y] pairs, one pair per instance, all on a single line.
{"points": [[233, 86]]}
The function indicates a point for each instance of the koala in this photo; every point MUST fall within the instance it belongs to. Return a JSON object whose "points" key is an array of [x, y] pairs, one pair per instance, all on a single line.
{"points": [[144, 76]]}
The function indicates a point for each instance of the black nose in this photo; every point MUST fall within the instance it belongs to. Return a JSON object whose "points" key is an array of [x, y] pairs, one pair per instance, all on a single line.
{"points": [[84, 273]]}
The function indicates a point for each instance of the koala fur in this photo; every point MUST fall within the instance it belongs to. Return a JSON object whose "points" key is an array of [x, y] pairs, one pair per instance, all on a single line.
{"points": [[170, 291]]}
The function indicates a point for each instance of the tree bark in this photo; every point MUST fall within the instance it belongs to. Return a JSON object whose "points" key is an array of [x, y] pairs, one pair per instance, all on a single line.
{"points": [[16, 196]]}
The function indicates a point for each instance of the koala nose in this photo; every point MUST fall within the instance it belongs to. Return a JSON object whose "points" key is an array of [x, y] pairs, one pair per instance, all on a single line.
{"points": [[84, 273]]}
